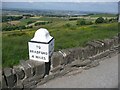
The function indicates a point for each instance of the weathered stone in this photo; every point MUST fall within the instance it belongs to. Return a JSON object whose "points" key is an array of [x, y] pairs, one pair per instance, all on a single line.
{"points": [[100, 55], [101, 45], [41, 82], [68, 57], [64, 72], [85, 52], [119, 49], [79, 63], [76, 53], [26, 68], [32, 66], [49, 77], [106, 53], [91, 50], [56, 69], [95, 46], [56, 59], [10, 77], [93, 64], [34, 78], [116, 40], [107, 43], [4, 83], [39, 68], [19, 86], [112, 53], [19, 72], [74, 71], [46, 79], [30, 84], [0, 84]]}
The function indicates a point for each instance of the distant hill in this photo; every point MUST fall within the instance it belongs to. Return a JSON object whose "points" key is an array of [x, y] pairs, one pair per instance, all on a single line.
{"points": [[102, 7]]}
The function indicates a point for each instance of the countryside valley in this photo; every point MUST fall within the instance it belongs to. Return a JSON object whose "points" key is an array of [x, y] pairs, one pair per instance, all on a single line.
{"points": [[70, 29]]}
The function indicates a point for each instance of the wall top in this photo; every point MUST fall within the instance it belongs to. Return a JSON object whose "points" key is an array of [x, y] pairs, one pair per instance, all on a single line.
{"points": [[42, 35]]}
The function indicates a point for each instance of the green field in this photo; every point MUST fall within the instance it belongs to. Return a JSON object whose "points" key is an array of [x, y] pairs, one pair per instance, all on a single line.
{"points": [[15, 43], [103, 15]]}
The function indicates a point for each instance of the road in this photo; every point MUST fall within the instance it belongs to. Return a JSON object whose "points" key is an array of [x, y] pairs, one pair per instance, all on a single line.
{"points": [[103, 76]]}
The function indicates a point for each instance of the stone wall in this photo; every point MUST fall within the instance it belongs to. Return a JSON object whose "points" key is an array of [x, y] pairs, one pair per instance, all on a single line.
{"points": [[29, 74]]}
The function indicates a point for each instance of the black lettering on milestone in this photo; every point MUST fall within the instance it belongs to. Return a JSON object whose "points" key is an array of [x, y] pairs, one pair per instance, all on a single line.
{"points": [[32, 56], [37, 52], [44, 58], [36, 56], [38, 47]]}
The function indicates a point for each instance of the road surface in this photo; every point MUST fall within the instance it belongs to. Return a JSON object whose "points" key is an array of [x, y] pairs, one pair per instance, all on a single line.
{"points": [[103, 76]]}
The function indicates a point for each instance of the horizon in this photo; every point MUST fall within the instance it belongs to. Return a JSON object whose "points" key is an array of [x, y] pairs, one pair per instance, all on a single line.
{"points": [[102, 7]]}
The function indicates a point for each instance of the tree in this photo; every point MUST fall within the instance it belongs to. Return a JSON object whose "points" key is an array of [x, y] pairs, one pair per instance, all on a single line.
{"points": [[99, 20], [81, 22], [67, 25]]}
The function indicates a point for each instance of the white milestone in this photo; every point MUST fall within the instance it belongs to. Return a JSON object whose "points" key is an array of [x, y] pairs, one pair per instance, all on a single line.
{"points": [[41, 46]]}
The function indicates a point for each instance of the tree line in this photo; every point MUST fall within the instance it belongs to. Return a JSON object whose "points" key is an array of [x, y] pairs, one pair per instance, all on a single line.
{"points": [[9, 28], [97, 21], [11, 18]]}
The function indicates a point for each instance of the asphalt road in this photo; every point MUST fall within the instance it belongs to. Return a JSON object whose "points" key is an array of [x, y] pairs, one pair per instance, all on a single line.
{"points": [[103, 76]]}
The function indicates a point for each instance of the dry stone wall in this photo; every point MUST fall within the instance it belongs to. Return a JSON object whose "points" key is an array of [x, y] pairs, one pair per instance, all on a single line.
{"points": [[29, 74]]}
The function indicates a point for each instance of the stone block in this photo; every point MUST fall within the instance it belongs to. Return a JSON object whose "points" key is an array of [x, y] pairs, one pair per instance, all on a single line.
{"points": [[108, 43], [91, 50], [91, 65], [19, 86], [116, 40], [85, 62], [34, 78], [32, 66], [98, 56], [39, 67], [101, 45], [119, 49], [49, 77], [26, 68], [94, 45], [56, 69], [79, 63], [19, 72], [1, 84], [65, 71], [67, 56], [30, 84], [4, 83], [74, 71], [41, 82], [56, 60], [86, 52], [10, 77], [105, 54], [76, 53]]}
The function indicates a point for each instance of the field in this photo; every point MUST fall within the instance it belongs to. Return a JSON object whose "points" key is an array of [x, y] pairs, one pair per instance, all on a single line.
{"points": [[66, 33]]}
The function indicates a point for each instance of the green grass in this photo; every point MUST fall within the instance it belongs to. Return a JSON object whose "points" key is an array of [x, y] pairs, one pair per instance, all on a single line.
{"points": [[103, 15]]}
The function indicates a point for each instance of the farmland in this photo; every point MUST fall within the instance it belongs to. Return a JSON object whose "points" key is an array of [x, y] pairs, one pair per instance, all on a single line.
{"points": [[65, 30]]}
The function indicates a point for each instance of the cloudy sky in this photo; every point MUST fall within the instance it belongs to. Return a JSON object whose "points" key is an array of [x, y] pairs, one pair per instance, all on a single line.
{"points": [[109, 6], [59, 1]]}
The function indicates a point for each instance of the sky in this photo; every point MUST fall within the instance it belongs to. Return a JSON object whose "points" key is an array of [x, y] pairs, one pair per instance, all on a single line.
{"points": [[60, 1], [107, 7]]}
